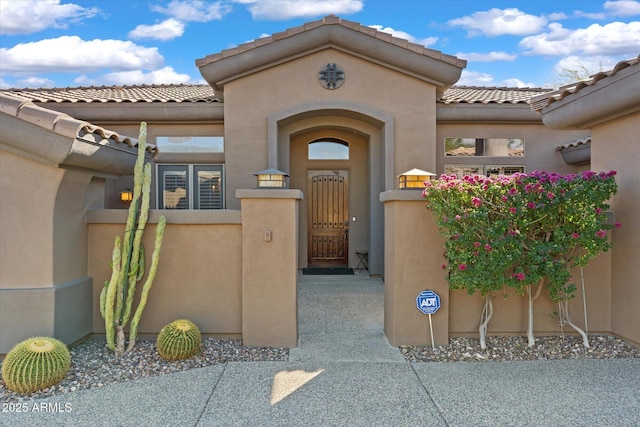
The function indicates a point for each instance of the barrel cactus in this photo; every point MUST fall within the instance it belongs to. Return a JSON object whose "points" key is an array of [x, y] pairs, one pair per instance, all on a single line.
{"points": [[180, 339], [35, 364]]}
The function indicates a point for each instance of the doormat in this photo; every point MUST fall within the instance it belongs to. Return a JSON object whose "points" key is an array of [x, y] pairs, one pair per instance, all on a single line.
{"points": [[327, 271]]}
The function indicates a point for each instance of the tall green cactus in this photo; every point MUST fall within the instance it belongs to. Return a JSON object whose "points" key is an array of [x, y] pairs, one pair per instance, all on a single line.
{"points": [[116, 298]]}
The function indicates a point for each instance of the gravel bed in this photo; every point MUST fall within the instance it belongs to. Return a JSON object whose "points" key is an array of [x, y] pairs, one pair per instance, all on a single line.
{"points": [[93, 365], [504, 348]]}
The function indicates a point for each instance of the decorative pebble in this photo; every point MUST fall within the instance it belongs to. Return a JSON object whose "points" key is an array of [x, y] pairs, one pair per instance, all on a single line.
{"points": [[501, 348], [93, 365]]}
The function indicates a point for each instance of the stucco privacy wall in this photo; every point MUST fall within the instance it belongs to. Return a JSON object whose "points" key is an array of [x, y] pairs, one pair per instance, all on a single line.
{"points": [[615, 147], [199, 275], [413, 260]]}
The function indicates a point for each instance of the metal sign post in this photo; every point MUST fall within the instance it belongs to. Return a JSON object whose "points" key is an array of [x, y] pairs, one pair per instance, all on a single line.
{"points": [[428, 302]]}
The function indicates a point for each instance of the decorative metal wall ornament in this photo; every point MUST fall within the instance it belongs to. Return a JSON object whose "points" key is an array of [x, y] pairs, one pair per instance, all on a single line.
{"points": [[331, 76]]}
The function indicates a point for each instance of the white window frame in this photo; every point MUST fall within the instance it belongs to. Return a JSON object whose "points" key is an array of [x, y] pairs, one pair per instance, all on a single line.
{"points": [[191, 169]]}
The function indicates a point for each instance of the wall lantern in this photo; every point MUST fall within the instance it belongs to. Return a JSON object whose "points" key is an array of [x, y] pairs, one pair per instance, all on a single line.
{"points": [[414, 178], [271, 178], [126, 196]]}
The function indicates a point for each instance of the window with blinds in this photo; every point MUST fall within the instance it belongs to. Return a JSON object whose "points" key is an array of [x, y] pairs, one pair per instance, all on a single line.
{"points": [[190, 187], [462, 170]]}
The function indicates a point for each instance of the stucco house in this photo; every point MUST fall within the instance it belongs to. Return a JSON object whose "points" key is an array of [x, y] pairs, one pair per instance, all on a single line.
{"points": [[343, 110]]}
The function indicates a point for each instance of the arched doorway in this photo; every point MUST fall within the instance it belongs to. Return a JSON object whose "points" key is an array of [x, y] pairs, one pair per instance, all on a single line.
{"points": [[335, 213], [351, 120]]}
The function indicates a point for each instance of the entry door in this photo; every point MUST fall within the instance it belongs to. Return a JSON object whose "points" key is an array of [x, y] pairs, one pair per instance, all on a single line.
{"points": [[328, 205]]}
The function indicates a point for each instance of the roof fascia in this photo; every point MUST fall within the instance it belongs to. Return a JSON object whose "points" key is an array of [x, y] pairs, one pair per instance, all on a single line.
{"points": [[136, 112], [486, 113], [221, 70], [607, 99], [102, 157]]}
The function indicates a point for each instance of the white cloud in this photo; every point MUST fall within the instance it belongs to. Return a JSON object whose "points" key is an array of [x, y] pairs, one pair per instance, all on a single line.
{"points": [[30, 16], [513, 82], [486, 57], [196, 11], [622, 8], [406, 36], [595, 16], [4, 85], [615, 38], [35, 82], [72, 54], [585, 65], [475, 78], [280, 10], [496, 22], [556, 16], [168, 29], [166, 75]]}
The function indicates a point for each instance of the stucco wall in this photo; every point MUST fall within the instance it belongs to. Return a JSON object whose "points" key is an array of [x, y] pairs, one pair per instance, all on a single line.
{"points": [[43, 250], [199, 274], [413, 259], [28, 192], [408, 100], [615, 146]]}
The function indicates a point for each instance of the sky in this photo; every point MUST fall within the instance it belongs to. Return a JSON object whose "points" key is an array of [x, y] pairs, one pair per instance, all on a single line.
{"points": [[515, 43]]}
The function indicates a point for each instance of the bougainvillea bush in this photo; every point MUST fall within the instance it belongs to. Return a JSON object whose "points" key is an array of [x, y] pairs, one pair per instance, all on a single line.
{"points": [[521, 231]]}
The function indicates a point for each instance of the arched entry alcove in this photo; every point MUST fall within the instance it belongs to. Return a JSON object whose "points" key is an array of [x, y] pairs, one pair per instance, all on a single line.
{"points": [[372, 133]]}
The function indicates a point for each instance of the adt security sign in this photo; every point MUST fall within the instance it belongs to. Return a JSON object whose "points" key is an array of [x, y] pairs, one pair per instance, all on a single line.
{"points": [[428, 302]]}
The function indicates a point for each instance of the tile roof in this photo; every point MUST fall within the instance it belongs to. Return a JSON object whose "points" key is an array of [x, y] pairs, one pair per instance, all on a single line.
{"points": [[61, 123], [332, 20], [541, 101], [577, 142], [489, 95], [204, 93], [117, 94]]}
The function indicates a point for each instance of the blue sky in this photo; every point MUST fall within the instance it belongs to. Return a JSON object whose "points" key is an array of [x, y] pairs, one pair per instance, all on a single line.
{"points": [[60, 43]]}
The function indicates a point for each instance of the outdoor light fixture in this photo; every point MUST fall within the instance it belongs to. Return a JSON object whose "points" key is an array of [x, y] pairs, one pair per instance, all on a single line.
{"points": [[126, 196], [414, 178], [271, 178]]}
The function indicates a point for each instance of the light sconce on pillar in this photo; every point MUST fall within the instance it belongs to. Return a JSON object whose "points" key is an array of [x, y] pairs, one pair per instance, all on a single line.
{"points": [[127, 195], [271, 178], [414, 178]]}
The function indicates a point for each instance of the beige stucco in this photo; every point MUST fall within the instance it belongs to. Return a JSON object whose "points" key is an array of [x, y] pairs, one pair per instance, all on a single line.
{"points": [[615, 147], [413, 256], [269, 267], [199, 273], [413, 263]]}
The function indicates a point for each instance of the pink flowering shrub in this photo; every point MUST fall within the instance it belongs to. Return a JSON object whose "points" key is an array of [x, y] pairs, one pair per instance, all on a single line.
{"points": [[522, 229]]}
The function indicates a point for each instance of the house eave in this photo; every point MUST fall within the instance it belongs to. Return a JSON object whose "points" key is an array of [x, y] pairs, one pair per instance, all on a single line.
{"points": [[138, 111], [486, 113], [616, 96], [219, 69]]}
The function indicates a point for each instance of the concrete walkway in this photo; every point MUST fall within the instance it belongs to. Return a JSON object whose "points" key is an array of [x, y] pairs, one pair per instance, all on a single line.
{"points": [[344, 373]]}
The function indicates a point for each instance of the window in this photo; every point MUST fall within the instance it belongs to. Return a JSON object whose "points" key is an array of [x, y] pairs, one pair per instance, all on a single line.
{"points": [[498, 147], [462, 170], [328, 149], [190, 144], [190, 187]]}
